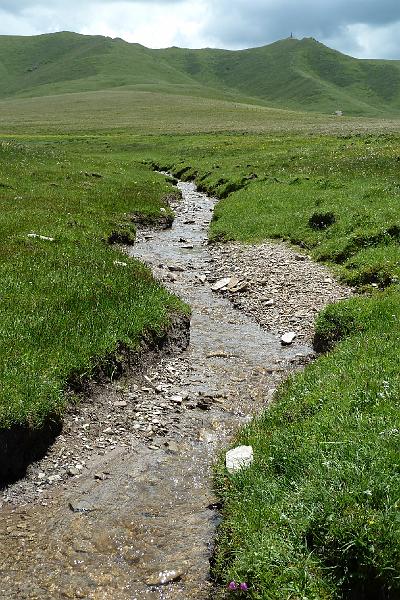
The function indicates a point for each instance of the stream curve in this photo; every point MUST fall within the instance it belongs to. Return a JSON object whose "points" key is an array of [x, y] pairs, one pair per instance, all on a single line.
{"points": [[140, 522]]}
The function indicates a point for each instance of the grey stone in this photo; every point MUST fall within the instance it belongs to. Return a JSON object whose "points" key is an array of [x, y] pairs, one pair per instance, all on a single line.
{"points": [[81, 506]]}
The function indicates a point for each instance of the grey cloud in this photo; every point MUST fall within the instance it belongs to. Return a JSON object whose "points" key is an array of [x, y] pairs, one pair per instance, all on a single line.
{"points": [[241, 23], [18, 6]]}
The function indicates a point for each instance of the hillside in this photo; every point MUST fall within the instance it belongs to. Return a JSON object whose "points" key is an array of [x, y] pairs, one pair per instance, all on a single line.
{"points": [[293, 74]]}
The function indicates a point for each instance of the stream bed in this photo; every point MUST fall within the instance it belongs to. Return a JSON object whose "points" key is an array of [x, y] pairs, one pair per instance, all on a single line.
{"points": [[138, 522]]}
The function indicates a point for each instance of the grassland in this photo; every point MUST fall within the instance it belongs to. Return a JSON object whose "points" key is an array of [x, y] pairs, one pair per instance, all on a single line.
{"points": [[316, 516], [122, 112], [289, 74], [67, 303]]}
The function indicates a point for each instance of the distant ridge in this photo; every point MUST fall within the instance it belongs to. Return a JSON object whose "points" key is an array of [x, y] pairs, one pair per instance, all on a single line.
{"points": [[295, 74]]}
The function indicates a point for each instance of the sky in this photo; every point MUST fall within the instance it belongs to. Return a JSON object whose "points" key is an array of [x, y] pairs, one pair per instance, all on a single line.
{"points": [[361, 28]]}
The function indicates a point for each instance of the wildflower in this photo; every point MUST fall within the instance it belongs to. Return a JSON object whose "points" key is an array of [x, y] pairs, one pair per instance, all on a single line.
{"points": [[244, 587], [232, 585]]}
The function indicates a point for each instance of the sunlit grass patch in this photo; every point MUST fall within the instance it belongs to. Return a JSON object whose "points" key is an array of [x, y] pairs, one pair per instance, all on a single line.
{"points": [[67, 299]]}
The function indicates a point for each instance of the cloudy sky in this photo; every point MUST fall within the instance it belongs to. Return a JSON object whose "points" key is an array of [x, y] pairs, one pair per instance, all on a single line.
{"points": [[362, 28]]}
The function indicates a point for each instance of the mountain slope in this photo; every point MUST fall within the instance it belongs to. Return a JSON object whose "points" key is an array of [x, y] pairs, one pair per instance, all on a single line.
{"points": [[295, 74]]}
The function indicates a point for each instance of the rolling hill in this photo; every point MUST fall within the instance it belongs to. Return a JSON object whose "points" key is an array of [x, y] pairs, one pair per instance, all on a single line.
{"points": [[290, 74]]}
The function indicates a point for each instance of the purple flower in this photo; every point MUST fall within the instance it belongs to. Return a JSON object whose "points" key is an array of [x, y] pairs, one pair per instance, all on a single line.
{"points": [[244, 587], [232, 586]]}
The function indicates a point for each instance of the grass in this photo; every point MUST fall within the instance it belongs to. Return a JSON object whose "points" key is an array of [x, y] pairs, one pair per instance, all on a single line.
{"points": [[291, 74], [135, 112], [317, 515], [68, 304], [338, 197]]}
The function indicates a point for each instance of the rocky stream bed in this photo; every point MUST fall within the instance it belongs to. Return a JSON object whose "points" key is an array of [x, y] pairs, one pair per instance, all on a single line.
{"points": [[121, 507]]}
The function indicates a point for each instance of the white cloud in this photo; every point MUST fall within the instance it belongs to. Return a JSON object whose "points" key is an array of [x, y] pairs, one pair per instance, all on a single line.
{"points": [[13, 25], [365, 41], [154, 25]]}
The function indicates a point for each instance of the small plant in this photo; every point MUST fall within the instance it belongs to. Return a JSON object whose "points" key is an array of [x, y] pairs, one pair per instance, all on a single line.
{"points": [[321, 220]]}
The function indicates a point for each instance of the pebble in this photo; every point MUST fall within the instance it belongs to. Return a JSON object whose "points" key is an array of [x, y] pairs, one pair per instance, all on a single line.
{"points": [[164, 577], [176, 268], [81, 506], [176, 399], [73, 471], [54, 478], [268, 302], [288, 338], [220, 284]]}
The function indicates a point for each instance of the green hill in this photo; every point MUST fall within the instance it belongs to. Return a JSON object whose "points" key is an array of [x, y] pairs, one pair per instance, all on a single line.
{"points": [[294, 74]]}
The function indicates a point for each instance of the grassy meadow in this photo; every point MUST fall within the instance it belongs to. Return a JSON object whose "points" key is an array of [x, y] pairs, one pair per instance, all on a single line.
{"points": [[317, 515], [67, 303], [291, 74]]}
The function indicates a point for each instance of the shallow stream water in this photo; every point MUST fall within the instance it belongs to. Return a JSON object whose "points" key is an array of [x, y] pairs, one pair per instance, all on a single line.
{"points": [[154, 511]]}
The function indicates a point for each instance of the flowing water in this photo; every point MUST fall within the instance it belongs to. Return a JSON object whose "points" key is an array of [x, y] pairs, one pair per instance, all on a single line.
{"points": [[145, 530]]}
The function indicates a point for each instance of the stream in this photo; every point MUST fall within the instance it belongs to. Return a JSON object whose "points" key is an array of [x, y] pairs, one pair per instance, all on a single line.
{"points": [[140, 523]]}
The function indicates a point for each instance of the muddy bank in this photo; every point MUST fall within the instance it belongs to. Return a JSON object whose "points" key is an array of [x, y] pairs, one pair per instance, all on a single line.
{"points": [[122, 507], [21, 445]]}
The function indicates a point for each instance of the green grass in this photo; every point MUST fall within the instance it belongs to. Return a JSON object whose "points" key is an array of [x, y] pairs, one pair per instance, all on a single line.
{"points": [[125, 111], [291, 74], [317, 515], [67, 305]]}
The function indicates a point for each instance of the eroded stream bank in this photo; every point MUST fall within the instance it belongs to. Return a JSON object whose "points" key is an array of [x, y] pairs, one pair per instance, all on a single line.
{"points": [[125, 493]]}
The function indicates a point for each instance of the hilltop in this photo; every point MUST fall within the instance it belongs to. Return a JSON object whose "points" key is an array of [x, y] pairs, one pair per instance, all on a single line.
{"points": [[290, 74]]}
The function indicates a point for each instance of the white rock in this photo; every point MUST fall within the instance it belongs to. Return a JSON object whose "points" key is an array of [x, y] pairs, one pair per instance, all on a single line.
{"points": [[221, 284], [239, 458], [268, 302], [41, 237], [164, 577], [177, 399], [288, 338]]}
